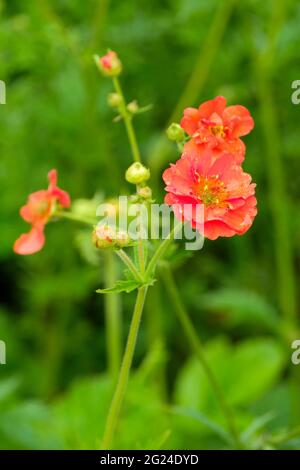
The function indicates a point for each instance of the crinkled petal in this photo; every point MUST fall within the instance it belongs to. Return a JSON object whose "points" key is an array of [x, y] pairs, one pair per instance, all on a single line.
{"points": [[217, 105], [239, 119], [190, 120]]}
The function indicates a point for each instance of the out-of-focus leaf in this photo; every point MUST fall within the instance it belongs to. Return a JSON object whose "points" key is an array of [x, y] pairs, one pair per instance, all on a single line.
{"points": [[203, 419], [242, 308], [244, 371]]}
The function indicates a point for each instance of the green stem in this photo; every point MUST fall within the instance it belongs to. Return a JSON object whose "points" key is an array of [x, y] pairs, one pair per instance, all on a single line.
{"points": [[119, 394], [112, 318], [161, 249], [197, 347], [129, 263], [285, 437], [128, 122], [278, 194], [74, 217]]}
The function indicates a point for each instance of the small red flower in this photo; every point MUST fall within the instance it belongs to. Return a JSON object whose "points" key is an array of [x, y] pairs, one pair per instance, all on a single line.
{"points": [[37, 212], [107, 60], [219, 126], [220, 185]]}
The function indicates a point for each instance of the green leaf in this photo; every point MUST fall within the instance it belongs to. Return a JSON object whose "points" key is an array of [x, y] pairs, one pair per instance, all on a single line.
{"points": [[127, 285], [245, 372], [242, 308], [203, 419]]}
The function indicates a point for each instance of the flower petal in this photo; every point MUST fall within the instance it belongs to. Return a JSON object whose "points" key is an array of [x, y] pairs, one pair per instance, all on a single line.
{"points": [[217, 105], [239, 119], [190, 120], [30, 242]]}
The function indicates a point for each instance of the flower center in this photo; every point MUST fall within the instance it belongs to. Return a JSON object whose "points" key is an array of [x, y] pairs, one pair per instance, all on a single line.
{"points": [[41, 208], [210, 191], [217, 131]]}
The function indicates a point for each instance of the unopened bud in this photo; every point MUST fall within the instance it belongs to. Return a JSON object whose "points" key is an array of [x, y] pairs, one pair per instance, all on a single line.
{"points": [[145, 192], [105, 236], [175, 133], [133, 107], [109, 64], [114, 100], [137, 173]]}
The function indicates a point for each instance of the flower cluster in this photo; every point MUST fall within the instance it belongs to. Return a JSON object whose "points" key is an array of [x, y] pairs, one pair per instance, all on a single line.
{"points": [[38, 211], [209, 171]]}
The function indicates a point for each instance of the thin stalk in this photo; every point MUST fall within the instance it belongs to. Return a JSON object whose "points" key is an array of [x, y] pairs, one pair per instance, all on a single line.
{"points": [[278, 198], [284, 437], [130, 264], [113, 319], [161, 249], [197, 347], [75, 217], [128, 122], [114, 411]]}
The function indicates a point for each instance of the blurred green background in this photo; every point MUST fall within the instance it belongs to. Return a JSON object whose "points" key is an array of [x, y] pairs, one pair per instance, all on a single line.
{"points": [[241, 292]]}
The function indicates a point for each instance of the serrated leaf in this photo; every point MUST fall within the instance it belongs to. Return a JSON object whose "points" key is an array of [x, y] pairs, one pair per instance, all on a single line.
{"points": [[127, 285]]}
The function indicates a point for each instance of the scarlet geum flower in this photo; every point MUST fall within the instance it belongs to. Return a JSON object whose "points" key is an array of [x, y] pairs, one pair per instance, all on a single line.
{"points": [[218, 126], [38, 211], [220, 185]]}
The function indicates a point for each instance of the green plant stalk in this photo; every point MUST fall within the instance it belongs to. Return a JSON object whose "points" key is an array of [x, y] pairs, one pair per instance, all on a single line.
{"points": [[74, 217], [128, 122], [129, 263], [285, 436], [114, 411], [279, 204], [113, 320], [161, 249], [197, 348], [118, 397]]}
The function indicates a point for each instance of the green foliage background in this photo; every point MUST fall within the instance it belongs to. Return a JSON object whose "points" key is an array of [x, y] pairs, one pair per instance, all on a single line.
{"points": [[241, 292]]}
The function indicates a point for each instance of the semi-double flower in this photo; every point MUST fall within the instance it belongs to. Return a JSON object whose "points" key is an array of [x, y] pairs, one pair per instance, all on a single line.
{"points": [[209, 173]]}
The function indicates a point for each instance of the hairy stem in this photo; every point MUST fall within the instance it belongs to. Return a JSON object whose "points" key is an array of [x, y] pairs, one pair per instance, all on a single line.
{"points": [[113, 319], [130, 264], [114, 411], [128, 122]]}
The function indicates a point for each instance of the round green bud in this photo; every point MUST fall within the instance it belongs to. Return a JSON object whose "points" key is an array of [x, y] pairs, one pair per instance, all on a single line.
{"points": [[175, 132], [145, 192], [137, 173], [105, 236], [133, 107], [114, 100]]}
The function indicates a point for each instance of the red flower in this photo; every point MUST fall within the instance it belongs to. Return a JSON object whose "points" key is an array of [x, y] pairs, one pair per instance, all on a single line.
{"points": [[219, 126], [37, 212], [220, 185]]}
